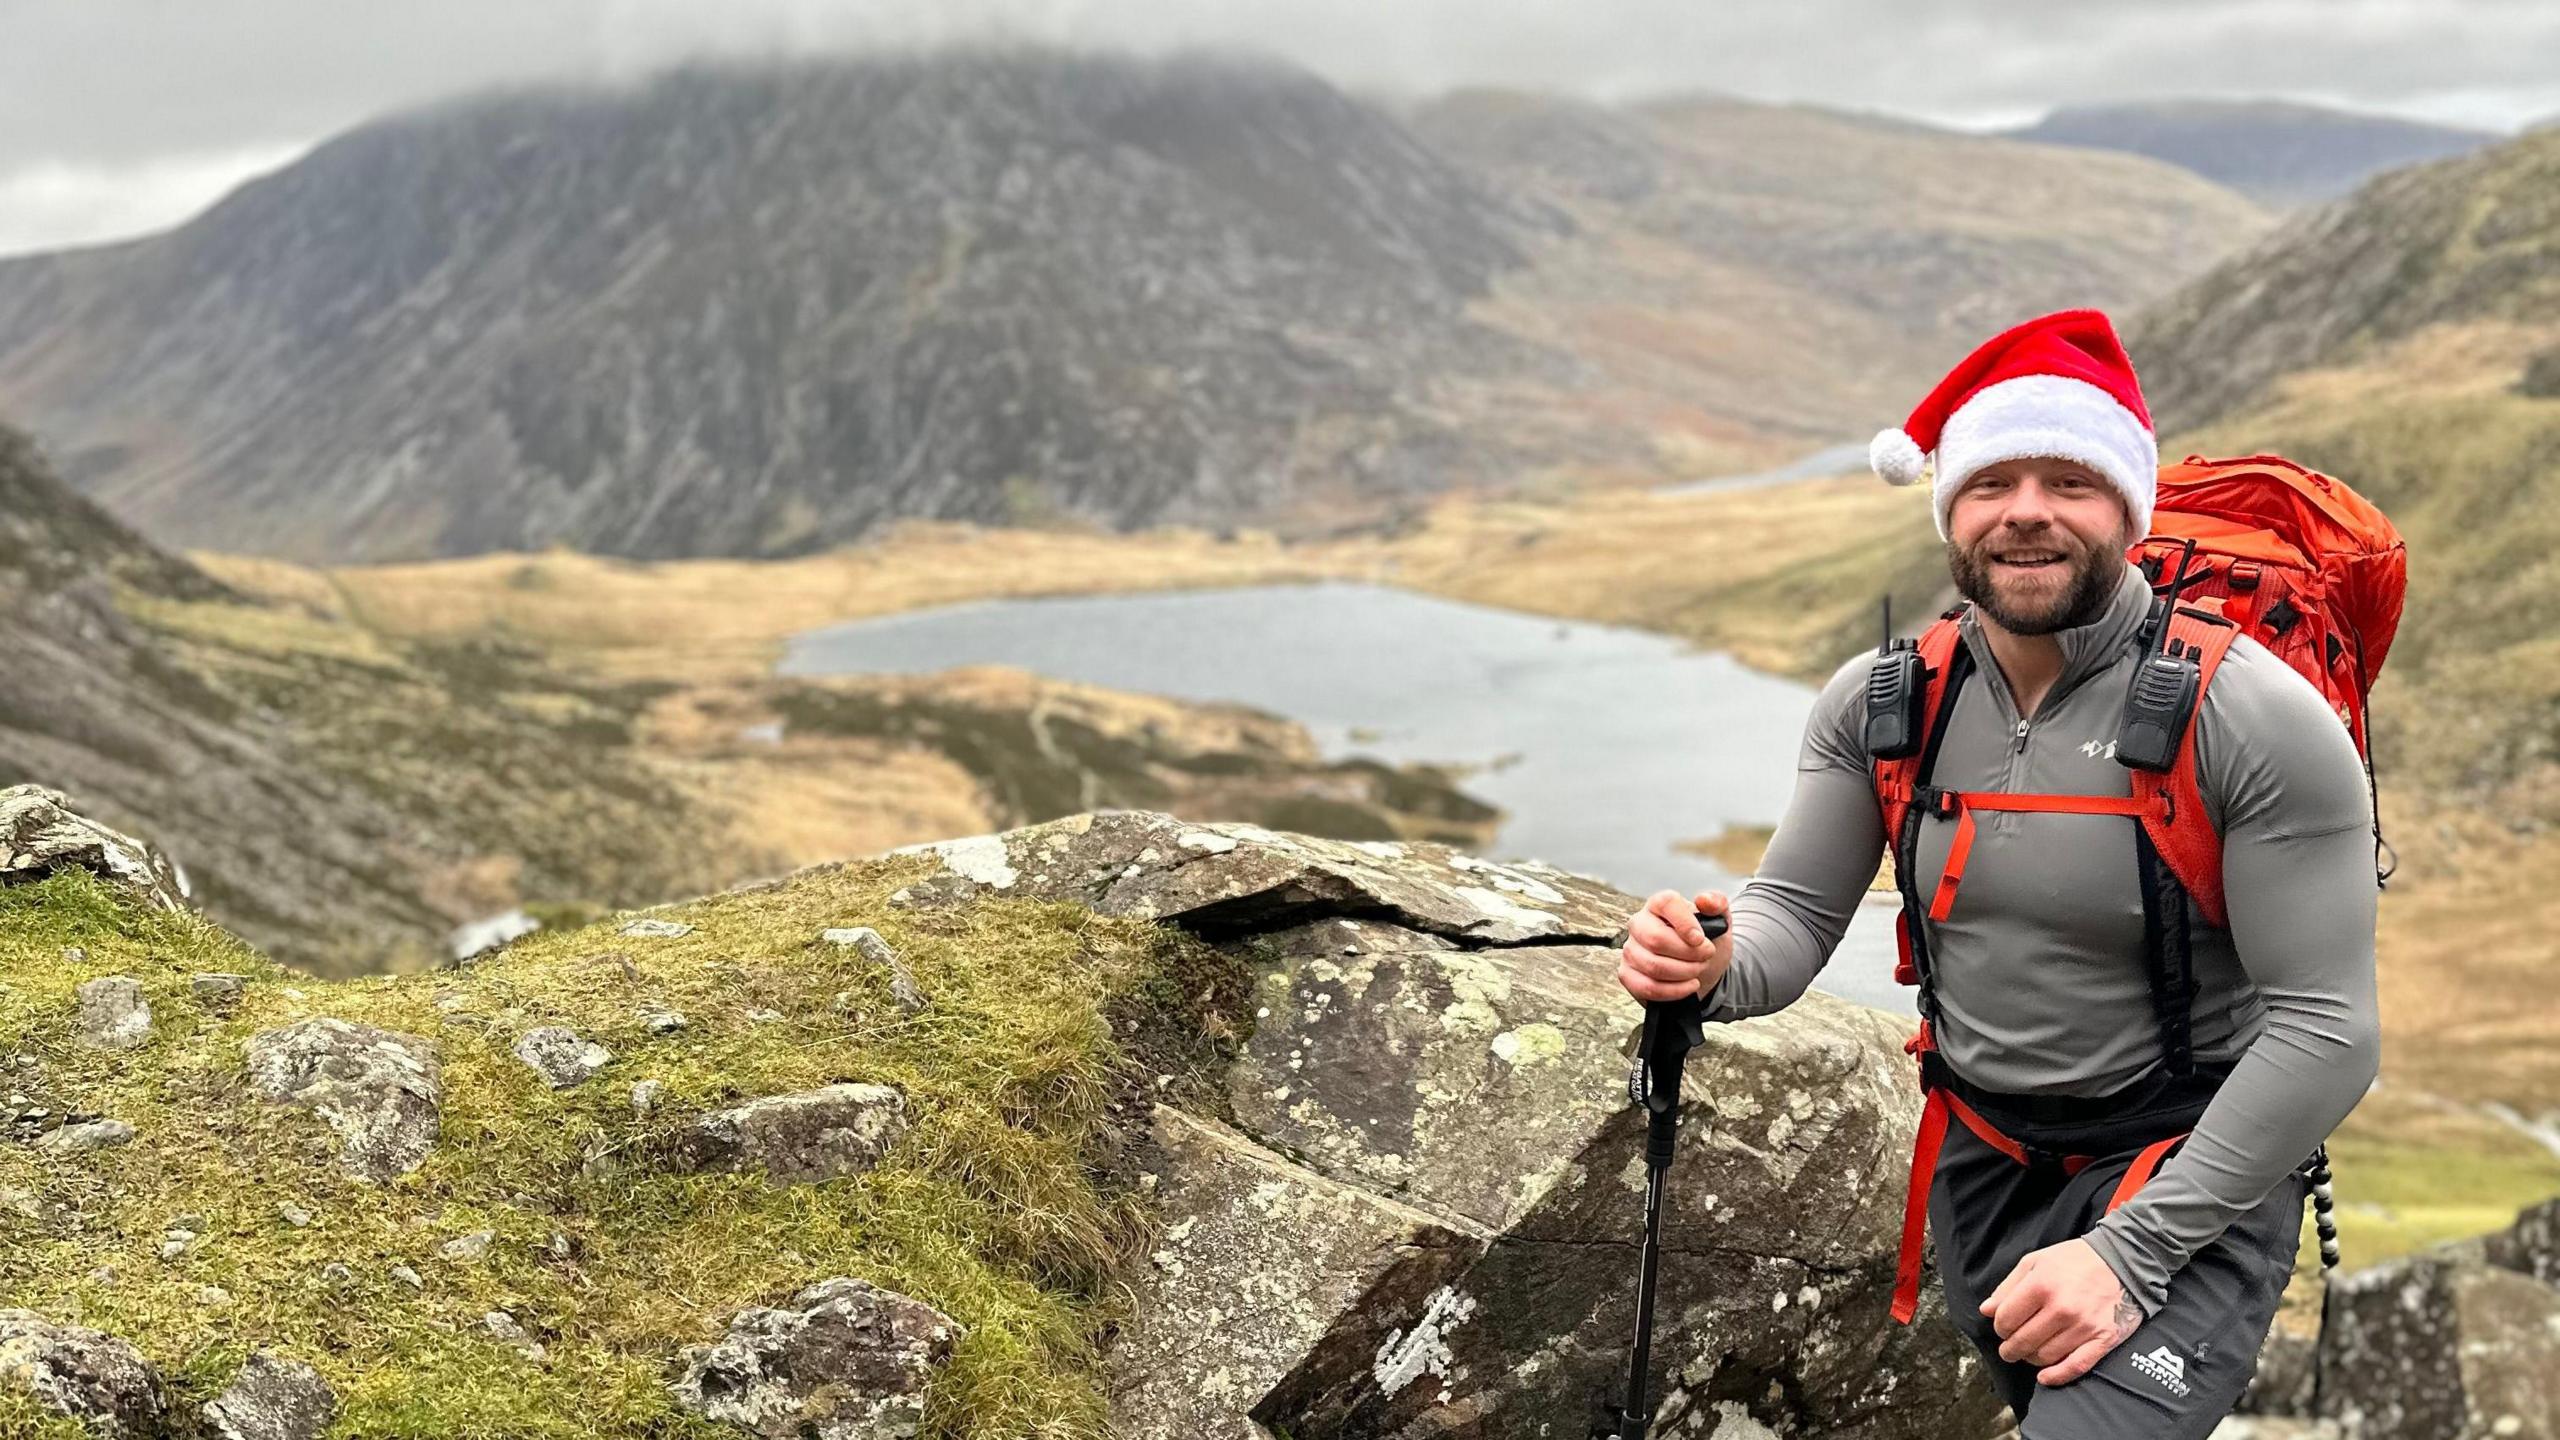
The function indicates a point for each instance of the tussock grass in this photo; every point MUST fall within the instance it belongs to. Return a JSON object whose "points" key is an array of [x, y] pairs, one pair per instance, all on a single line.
{"points": [[994, 1208]]}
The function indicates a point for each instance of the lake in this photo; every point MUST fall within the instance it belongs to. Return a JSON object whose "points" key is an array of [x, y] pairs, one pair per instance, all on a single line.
{"points": [[1603, 745]]}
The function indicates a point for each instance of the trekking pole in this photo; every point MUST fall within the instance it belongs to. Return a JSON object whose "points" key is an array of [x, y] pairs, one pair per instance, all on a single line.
{"points": [[1672, 1028]]}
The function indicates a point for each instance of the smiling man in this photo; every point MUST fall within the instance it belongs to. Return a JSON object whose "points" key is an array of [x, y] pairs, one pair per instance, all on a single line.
{"points": [[2119, 1210]]}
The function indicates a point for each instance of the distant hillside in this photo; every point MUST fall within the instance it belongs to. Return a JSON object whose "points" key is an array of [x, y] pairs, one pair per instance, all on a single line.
{"points": [[764, 311], [433, 806], [2276, 152], [1791, 270]]}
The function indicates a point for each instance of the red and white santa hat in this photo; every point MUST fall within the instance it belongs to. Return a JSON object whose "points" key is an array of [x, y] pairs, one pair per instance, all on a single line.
{"points": [[2057, 386]]}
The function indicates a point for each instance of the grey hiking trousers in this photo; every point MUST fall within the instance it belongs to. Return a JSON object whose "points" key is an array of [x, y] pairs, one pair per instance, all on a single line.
{"points": [[2180, 1374]]}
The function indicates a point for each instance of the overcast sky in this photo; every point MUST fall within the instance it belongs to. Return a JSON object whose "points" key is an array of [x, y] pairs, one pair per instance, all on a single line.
{"points": [[122, 116]]}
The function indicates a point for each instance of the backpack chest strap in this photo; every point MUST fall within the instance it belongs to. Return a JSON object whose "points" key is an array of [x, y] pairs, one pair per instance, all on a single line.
{"points": [[1961, 804]]}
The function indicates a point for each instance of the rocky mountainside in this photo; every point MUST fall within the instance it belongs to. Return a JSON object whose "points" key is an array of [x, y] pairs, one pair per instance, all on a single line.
{"points": [[762, 311], [758, 312], [2277, 152], [2466, 241]]}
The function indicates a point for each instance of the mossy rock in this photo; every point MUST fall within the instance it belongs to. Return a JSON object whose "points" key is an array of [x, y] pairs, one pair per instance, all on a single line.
{"points": [[997, 1207]]}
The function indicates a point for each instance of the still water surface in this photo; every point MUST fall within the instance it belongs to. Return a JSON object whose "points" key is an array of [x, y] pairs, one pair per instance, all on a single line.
{"points": [[1603, 745]]}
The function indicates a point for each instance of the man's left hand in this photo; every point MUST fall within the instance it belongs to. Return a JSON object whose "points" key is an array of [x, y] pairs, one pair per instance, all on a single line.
{"points": [[2063, 1309]]}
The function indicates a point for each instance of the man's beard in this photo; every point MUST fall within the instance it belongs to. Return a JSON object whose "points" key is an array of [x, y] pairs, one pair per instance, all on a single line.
{"points": [[2094, 576]]}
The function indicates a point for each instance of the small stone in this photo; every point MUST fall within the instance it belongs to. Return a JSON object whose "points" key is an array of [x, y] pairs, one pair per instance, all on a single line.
{"points": [[798, 1370], [559, 1246], [336, 1273], [502, 1326], [471, 1248], [293, 1214], [212, 1297], [105, 1275], [273, 1399], [663, 1022], [645, 1096], [408, 1277], [74, 955], [902, 981], [91, 1135], [801, 1138], [560, 1056], [657, 929], [763, 1015], [215, 990], [113, 1014], [172, 1249]]}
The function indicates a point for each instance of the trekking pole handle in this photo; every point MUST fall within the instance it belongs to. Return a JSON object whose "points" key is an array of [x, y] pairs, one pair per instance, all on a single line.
{"points": [[1672, 1028]]}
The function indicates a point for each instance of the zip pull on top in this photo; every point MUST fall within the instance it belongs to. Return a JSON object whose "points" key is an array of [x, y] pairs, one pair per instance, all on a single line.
{"points": [[2021, 738]]}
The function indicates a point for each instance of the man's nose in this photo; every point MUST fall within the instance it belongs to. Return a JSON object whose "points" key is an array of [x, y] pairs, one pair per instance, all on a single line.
{"points": [[2029, 507]]}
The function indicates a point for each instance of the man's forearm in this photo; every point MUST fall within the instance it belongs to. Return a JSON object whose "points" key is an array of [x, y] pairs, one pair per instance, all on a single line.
{"points": [[2302, 911], [1787, 921]]}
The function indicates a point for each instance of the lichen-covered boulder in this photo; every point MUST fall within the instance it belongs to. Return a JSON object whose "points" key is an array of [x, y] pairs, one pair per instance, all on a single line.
{"points": [[380, 1091], [113, 1014], [815, 1135], [2531, 1246], [561, 1056], [846, 1361], [272, 1399], [90, 1376], [1421, 1220], [2442, 1345]]}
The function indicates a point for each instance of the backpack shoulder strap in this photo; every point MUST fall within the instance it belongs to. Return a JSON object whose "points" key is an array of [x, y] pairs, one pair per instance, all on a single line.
{"points": [[1941, 649], [2174, 821]]}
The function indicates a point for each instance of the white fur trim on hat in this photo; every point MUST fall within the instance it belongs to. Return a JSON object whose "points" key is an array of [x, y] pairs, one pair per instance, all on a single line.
{"points": [[2050, 415], [1896, 457]]}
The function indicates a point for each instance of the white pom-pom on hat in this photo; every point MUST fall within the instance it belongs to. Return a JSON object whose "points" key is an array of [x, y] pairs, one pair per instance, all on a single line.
{"points": [[1896, 457]]}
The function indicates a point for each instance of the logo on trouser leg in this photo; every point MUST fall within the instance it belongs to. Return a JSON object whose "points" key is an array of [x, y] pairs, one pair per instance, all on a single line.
{"points": [[2163, 1365]]}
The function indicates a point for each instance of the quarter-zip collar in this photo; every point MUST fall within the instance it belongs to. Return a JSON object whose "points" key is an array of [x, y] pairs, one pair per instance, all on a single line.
{"points": [[2087, 650]]}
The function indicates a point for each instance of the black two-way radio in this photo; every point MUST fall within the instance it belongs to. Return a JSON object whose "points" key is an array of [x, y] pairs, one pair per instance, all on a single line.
{"points": [[2162, 698], [1897, 688]]}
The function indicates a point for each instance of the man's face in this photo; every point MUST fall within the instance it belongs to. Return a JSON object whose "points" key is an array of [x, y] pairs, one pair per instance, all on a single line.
{"points": [[2037, 544]]}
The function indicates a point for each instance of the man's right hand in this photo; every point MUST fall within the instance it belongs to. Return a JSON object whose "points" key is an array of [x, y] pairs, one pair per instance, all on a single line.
{"points": [[1666, 955]]}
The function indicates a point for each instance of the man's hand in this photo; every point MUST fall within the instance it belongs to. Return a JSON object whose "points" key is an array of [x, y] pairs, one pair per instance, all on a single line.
{"points": [[1666, 955], [2063, 1309]]}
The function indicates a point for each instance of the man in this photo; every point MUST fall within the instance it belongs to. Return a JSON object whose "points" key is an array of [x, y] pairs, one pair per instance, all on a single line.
{"points": [[2144, 1319]]}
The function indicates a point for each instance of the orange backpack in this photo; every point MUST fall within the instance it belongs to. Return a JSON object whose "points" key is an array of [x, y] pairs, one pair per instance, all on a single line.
{"points": [[2257, 546]]}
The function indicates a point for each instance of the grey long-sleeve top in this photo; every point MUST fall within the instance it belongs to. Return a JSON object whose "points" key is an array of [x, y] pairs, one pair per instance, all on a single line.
{"points": [[2041, 977]]}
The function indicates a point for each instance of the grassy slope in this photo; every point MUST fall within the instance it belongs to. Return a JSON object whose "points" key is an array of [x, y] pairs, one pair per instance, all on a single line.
{"points": [[990, 1209]]}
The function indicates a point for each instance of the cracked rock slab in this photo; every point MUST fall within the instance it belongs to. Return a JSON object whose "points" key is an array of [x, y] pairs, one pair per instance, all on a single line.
{"points": [[2441, 1343], [40, 832], [846, 1360], [380, 1091], [1222, 879]]}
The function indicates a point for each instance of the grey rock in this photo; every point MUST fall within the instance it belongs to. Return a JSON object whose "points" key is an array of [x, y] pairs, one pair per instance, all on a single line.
{"points": [[902, 981], [293, 1214], [645, 1097], [113, 1014], [469, 1249], [75, 955], [2441, 1344], [336, 1272], [846, 1361], [212, 1297], [86, 1136], [2531, 1246], [408, 1277], [273, 1399], [663, 1022], [654, 929], [40, 832], [93, 1377], [379, 1090], [560, 1056], [801, 1138], [217, 991], [500, 1326]]}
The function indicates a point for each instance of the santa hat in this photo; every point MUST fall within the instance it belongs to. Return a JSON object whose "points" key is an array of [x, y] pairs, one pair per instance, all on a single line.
{"points": [[2058, 386]]}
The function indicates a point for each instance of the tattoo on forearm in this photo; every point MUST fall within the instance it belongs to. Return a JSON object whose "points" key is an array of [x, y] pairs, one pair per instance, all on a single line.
{"points": [[2128, 1317]]}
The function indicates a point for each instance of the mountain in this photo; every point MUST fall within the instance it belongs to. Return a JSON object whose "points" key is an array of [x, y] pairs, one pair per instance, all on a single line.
{"points": [[1802, 272], [758, 312], [762, 311], [2276, 152]]}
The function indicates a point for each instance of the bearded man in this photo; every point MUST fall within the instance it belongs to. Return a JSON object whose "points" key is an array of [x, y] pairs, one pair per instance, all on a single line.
{"points": [[2114, 1230]]}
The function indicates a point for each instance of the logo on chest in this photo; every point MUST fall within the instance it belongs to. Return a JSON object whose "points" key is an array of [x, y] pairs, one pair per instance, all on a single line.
{"points": [[2099, 749]]}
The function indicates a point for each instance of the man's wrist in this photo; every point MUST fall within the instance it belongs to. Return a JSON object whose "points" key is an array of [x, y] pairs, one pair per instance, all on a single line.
{"points": [[2110, 1249]]}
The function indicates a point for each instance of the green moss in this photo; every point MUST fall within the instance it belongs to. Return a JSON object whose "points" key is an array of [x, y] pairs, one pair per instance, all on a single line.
{"points": [[995, 1208]]}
